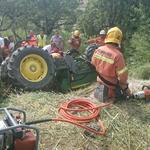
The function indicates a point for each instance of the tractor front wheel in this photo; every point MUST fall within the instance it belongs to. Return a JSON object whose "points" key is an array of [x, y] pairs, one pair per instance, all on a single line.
{"points": [[31, 68]]}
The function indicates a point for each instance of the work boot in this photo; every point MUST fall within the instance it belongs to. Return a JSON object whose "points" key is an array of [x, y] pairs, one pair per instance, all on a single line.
{"points": [[101, 93]]}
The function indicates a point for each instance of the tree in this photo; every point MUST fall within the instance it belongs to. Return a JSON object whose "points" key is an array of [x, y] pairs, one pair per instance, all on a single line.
{"points": [[139, 43], [44, 14], [101, 14], [6, 19], [52, 14], [132, 16]]}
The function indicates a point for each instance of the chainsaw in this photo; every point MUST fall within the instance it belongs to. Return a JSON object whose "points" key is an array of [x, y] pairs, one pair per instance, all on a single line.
{"points": [[143, 94]]}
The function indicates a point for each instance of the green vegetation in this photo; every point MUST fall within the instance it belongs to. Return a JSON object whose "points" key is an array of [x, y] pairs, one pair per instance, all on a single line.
{"points": [[132, 16], [142, 72], [36, 14], [127, 122]]}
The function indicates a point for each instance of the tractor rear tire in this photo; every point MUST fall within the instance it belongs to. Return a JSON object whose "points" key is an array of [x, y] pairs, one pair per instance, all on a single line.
{"points": [[3, 69], [31, 68]]}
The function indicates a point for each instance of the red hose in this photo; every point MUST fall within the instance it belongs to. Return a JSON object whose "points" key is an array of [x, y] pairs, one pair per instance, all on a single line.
{"points": [[69, 109]]}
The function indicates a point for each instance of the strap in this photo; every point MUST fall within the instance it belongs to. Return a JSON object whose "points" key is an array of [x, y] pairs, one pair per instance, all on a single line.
{"points": [[110, 83], [106, 81]]}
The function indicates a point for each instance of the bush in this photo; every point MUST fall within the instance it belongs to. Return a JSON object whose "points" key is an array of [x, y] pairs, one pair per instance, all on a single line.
{"points": [[142, 72], [138, 53]]}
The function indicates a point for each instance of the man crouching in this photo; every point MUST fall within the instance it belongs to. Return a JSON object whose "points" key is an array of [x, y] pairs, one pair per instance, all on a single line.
{"points": [[110, 66]]}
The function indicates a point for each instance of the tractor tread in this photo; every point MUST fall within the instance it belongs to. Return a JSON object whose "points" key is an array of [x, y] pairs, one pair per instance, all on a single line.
{"points": [[15, 74]]}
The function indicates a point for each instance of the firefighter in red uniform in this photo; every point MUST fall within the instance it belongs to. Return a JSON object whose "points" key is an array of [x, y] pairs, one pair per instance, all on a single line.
{"points": [[110, 66], [98, 40], [75, 43]]}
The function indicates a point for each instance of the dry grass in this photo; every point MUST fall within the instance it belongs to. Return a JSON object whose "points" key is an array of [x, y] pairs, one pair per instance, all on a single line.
{"points": [[128, 123]]}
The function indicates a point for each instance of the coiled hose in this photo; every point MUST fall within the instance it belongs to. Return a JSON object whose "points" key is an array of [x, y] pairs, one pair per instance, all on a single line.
{"points": [[68, 113]]}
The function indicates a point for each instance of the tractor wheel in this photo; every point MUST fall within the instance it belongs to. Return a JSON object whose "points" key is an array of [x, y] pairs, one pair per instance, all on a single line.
{"points": [[3, 69], [31, 68]]}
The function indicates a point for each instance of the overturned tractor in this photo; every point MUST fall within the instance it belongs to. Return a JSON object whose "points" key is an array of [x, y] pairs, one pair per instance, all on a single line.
{"points": [[33, 68]]}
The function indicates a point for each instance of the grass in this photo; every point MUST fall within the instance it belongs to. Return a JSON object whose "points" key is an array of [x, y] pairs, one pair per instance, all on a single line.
{"points": [[128, 122], [141, 72]]}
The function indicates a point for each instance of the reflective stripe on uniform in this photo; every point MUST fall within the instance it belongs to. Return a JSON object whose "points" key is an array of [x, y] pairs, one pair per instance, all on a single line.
{"points": [[108, 60], [121, 71]]}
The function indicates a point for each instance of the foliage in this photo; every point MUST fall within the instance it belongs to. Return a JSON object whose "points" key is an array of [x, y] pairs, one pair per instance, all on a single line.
{"points": [[137, 52], [126, 14], [43, 14], [101, 14], [141, 72], [54, 13], [132, 16], [139, 46]]}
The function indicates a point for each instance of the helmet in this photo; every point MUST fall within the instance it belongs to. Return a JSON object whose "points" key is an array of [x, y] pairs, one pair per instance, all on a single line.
{"points": [[76, 33], [56, 55], [102, 32], [114, 35]]}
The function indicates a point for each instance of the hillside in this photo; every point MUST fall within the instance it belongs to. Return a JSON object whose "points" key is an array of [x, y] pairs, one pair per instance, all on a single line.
{"points": [[127, 121]]}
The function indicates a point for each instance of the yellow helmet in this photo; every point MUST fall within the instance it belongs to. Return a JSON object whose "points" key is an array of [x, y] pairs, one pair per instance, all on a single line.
{"points": [[56, 55], [76, 33], [114, 35]]}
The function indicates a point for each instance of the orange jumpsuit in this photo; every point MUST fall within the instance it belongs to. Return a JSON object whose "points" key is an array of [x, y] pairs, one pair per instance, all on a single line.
{"points": [[98, 40], [109, 63]]}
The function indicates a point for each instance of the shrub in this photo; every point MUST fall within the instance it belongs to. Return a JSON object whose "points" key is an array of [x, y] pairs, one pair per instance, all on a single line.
{"points": [[142, 72]]}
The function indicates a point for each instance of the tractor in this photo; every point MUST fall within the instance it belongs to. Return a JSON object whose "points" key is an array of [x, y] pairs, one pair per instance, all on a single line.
{"points": [[33, 68]]}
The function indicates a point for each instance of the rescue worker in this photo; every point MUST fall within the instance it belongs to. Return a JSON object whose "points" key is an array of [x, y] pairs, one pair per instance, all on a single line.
{"points": [[18, 41], [6, 51], [52, 48], [110, 66], [12, 43], [98, 40], [58, 40], [75, 42], [42, 39], [32, 40]]}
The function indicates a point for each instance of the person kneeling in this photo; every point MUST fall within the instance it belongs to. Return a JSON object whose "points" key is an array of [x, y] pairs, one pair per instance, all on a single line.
{"points": [[109, 63]]}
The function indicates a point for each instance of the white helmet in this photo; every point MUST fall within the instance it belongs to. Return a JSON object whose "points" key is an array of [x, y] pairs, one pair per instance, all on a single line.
{"points": [[102, 32]]}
